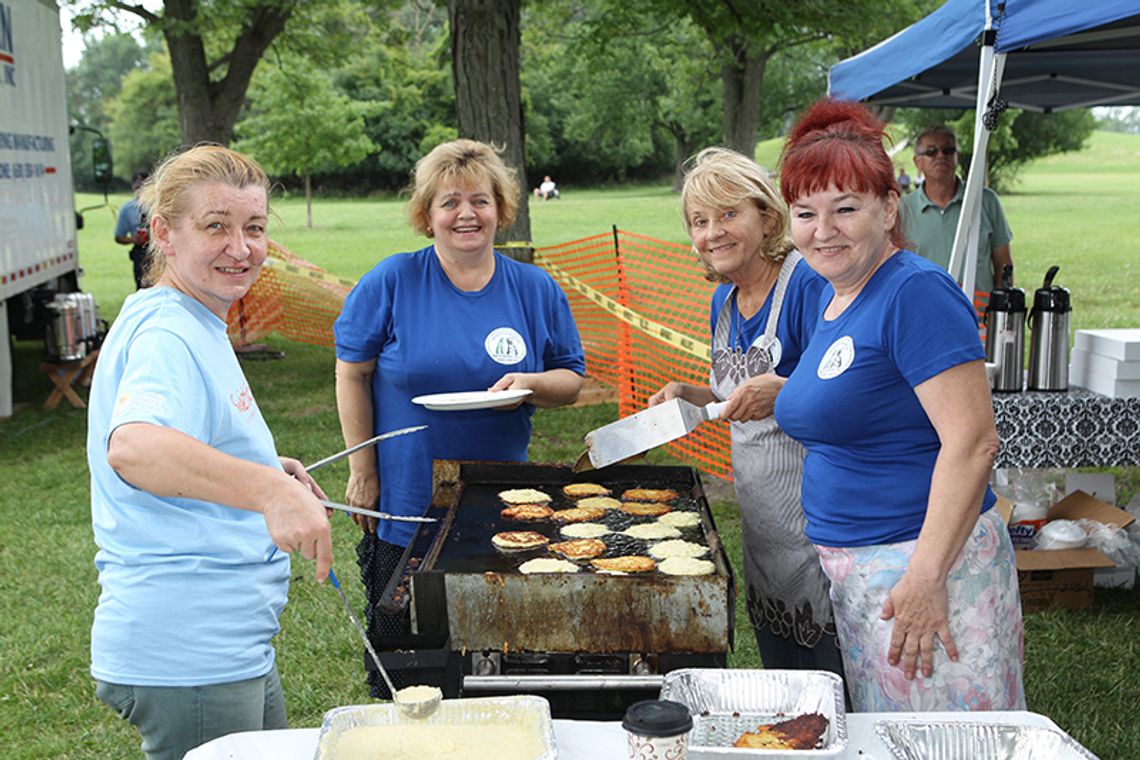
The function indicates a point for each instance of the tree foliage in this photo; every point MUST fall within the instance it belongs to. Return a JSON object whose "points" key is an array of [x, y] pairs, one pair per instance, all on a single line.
{"points": [[144, 118], [91, 86], [402, 67], [611, 90], [215, 46], [298, 124]]}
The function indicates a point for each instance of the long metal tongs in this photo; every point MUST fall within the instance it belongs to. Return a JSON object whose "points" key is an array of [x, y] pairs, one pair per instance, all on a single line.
{"points": [[363, 444], [377, 515]]}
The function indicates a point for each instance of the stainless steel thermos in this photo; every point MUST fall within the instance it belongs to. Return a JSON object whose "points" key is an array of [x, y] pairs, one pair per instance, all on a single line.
{"points": [[73, 328], [1005, 333], [1049, 344]]}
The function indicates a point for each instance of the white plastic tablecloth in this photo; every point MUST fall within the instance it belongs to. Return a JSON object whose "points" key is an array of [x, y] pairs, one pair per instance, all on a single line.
{"points": [[589, 740]]}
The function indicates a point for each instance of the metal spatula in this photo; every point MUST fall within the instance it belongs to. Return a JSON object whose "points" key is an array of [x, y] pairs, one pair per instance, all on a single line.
{"points": [[647, 430]]}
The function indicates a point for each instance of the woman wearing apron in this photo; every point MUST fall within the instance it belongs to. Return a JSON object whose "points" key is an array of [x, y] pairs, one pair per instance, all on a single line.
{"points": [[762, 316]]}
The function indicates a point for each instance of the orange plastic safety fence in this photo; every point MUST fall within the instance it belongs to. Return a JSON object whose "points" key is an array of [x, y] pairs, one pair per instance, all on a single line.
{"points": [[293, 298], [658, 281], [641, 305]]}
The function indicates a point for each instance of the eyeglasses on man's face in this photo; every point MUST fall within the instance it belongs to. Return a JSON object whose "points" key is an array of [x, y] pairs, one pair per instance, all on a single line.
{"points": [[933, 150]]}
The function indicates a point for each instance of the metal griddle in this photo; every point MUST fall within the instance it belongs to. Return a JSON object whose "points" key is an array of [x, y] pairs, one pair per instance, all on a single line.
{"points": [[489, 605]]}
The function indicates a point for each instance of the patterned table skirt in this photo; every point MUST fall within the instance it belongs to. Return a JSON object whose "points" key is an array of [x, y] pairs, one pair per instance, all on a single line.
{"points": [[1077, 428]]}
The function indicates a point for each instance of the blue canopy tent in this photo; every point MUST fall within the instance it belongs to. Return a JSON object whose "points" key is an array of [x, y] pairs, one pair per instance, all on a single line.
{"points": [[1040, 55]]}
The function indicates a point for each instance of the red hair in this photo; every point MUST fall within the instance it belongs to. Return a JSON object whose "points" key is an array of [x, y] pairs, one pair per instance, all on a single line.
{"points": [[838, 143]]}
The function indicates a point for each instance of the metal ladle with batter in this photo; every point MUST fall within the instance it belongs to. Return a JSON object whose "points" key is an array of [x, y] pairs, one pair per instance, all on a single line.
{"points": [[414, 702]]}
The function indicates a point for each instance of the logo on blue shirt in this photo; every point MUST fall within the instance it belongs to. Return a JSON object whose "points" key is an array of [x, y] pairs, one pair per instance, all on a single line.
{"points": [[505, 345], [836, 359]]}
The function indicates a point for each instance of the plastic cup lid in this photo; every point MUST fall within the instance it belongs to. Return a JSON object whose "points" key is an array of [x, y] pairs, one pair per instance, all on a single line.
{"points": [[657, 717]]}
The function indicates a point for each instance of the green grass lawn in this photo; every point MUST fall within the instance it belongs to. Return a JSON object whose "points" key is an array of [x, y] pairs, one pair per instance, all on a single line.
{"points": [[1076, 211]]}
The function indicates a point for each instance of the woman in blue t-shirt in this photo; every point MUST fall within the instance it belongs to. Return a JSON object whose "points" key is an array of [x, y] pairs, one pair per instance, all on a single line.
{"points": [[891, 401], [454, 316], [763, 312]]}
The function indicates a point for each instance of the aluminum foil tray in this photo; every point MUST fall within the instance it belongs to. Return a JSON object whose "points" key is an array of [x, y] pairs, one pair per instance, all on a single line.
{"points": [[950, 740], [726, 703], [530, 712]]}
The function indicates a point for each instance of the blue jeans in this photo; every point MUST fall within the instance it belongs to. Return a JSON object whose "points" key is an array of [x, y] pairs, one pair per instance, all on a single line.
{"points": [[175, 719]]}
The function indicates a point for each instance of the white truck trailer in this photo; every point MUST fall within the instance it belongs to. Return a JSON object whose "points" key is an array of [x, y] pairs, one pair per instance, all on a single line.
{"points": [[38, 254]]}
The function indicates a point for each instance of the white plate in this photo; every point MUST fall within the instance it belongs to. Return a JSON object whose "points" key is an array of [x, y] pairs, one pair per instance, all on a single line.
{"points": [[457, 402]]}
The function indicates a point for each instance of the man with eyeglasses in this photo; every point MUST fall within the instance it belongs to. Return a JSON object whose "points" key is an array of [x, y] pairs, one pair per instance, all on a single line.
{"points": [[931, 213]]}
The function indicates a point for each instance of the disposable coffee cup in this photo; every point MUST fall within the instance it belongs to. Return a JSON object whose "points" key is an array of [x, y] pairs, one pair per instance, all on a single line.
{"points": [[657, 729]]}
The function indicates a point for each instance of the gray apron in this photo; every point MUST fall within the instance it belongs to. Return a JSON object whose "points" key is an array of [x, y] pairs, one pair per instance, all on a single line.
{"points": [[787, 591]]}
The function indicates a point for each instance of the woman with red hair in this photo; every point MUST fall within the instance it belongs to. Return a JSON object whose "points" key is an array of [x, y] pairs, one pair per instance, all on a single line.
{"points": [[890, 400]]}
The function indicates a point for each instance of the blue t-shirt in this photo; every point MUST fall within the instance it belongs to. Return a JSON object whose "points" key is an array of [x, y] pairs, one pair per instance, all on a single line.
{"points": [[851, 402], [428, 336], [130, 216], [798, 316], [191, 590]]}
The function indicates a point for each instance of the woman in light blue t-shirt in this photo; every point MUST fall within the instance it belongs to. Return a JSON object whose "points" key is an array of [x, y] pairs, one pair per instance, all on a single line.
{"points": [[193, 511], [890, 400]]}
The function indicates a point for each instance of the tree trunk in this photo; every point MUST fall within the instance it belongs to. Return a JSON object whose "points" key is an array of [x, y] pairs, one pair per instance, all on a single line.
{"points": [[488, 96], [208, 110], [743, 80], [309, 200], [684, 149]]}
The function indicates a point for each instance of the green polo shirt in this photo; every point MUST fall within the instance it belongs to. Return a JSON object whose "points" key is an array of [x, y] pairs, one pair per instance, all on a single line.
{"points": [[931, 229]]}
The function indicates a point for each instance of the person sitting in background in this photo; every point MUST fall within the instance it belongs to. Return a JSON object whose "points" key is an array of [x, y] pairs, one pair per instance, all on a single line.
{"points": [[454, 316], [546, 190], [763, 313], [891, 400], [193, 511], [930, 214], [904, 181], [131, 229]]}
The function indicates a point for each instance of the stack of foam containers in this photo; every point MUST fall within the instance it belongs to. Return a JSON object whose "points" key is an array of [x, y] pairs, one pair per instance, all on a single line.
{"points": [[1106, 362]]}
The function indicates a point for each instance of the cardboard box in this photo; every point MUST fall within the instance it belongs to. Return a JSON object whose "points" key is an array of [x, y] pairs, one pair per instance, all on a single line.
{"points": [[1063, 578]]}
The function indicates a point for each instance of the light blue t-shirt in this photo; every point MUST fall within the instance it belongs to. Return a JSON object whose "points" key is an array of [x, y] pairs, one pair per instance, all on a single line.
{"points": [[428, 336], [851, 403], [191, 591]]}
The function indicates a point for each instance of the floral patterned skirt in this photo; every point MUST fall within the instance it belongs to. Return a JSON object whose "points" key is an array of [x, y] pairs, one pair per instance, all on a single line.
{"points": [[985, 620]]}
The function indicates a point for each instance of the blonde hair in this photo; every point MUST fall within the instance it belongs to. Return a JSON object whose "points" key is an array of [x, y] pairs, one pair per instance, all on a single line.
{"points": [[469, 163], [166, 192], [722, 178]]}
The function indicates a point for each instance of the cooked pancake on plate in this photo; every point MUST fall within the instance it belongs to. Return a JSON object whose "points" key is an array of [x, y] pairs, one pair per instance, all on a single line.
{"points": [[646, 508], [686, 566], [582, 490], [803, 732], [649, 494], [526, 512], [577, 514], [605, 502], [680, 519], [653, 531], [524, 496], [579, 548], [547, 565], [584, 530], [519, 540], [628, 564], [677, 548]]}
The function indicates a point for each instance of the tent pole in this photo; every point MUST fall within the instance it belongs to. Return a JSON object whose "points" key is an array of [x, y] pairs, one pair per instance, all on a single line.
{"points": [[964, 255]]}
